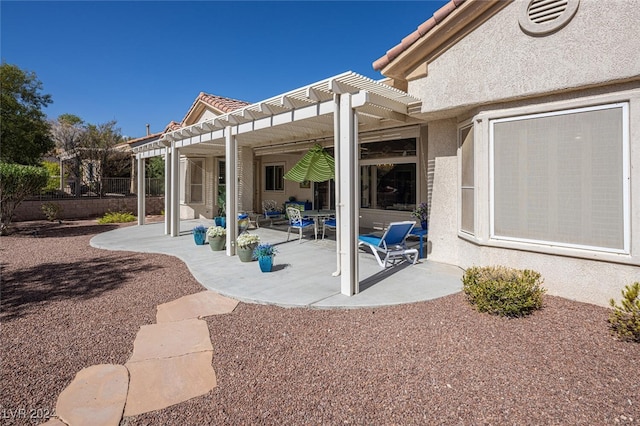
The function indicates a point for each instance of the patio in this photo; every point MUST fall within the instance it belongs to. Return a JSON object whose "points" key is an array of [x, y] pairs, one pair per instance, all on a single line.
{"points": [[302, 275]]}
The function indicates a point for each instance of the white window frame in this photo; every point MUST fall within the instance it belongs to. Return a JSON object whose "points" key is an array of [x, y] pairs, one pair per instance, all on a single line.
{"points": [[462, 232], [626, 195]]}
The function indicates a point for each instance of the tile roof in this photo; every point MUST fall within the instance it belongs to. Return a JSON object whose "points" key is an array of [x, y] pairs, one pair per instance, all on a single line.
{"points": [[220, 103], [422, 30]]}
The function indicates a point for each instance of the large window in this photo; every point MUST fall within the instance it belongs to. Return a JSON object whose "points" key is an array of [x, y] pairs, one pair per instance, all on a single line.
{"points": [[467, 180], [388, 175], [388, 186], [561, 178], [274, 177]]}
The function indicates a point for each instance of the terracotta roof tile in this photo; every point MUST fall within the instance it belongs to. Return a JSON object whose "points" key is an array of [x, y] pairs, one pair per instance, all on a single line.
{"points": [[438, 16], [223, 104]]}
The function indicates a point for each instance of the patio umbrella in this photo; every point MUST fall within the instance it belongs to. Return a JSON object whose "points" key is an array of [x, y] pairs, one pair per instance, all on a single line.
{"points": [[316, 166]]}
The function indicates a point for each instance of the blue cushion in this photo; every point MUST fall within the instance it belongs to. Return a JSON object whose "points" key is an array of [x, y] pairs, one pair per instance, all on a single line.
{"points": [[272, 214], [305, 222]]}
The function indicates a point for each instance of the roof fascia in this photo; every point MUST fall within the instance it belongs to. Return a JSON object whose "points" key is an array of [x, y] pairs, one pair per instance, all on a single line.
{"points": [[413, 62]]}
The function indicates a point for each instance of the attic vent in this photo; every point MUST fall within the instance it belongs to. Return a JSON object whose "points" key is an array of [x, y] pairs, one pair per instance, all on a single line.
{"points": [[546, 10], [542, 17]]}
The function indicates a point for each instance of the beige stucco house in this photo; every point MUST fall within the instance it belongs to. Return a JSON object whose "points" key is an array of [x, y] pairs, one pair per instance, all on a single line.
{"points": [[517, 122], [533, 116]]}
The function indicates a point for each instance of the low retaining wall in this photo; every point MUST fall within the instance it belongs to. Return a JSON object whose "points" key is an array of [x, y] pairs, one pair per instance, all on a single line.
{"points": [[82, 208]]}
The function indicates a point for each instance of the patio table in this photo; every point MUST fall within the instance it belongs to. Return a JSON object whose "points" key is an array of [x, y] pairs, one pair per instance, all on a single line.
{"points": [[317, 215]]}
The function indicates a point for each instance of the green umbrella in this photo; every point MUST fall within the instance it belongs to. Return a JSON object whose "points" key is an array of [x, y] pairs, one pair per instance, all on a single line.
{"points": [[316, 166]]}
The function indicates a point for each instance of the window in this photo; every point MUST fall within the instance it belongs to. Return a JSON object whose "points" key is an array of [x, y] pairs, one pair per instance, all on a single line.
{"points": [[562, 178], [388, 186], [274, 177], [388, 174], [467, 180], [196, 180]]}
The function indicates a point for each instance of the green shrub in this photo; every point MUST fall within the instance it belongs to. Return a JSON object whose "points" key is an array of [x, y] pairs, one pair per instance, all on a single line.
{"points": [[17, 182], [116, 217], [51, 210], [53, 182], [503, 291], [625, 319]]}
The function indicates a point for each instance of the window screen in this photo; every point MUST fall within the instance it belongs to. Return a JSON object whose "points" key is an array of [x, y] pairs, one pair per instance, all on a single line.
{"points": [[467, 204], [560, 178]]}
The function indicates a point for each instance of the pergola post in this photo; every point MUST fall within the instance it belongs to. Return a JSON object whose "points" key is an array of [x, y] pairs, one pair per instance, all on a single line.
{"points": [[336, 157], [231, 177], [348, 207], [175, 190], [141, 190], [167, 191]]}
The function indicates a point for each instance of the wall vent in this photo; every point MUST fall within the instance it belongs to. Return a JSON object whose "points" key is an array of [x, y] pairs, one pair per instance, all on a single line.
{"points": [[542, 17]]}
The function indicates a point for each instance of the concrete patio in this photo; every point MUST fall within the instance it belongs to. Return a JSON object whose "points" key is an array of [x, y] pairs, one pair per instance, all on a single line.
{"points": [[302, 272]]}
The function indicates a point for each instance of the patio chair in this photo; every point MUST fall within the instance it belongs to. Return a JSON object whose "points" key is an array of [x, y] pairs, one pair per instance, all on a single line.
{"points": [[270, 211], [392, 245], [328, 223], [297, 222]]}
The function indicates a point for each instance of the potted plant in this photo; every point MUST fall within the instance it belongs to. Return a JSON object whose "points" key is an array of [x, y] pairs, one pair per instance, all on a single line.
{"points": [[199, 234], [246, 243], [217, 237], [421, 212], [265, 253]]}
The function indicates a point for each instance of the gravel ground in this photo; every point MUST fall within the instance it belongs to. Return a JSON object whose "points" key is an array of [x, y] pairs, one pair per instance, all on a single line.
{"points": [[66, 306]]}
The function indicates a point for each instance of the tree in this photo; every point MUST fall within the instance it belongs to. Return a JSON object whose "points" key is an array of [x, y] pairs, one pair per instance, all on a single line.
{"points": [[24, 131], [16, 183], [69, 134], [102, 147]]}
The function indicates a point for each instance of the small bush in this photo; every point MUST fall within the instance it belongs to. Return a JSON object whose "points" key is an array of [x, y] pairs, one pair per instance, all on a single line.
{"points": [[51, 210], [116, 217], [503, 291], [625, 319]]}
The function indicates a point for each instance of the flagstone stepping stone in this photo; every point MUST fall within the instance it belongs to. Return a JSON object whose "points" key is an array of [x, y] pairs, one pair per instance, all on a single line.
{"points": [[159, 383], [171, 339], [96, 396], [198, 305]]}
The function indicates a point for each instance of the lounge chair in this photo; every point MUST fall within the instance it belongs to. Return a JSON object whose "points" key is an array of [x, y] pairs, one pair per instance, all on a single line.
{"points": [[297, 222], [392, 245]]}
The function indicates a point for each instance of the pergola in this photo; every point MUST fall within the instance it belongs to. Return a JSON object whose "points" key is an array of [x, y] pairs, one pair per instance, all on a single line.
{"points": [[343, 105]]}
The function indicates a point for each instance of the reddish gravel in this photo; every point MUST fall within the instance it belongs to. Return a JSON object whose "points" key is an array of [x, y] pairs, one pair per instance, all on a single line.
{"points": [[66, 306]]}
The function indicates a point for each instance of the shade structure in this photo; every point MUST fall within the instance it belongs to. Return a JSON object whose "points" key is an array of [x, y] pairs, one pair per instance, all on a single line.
{"points": [[316, 166]]}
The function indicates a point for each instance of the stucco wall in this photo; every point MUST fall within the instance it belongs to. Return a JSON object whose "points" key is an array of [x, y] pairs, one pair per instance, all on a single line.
{"points": [[498, 61]]}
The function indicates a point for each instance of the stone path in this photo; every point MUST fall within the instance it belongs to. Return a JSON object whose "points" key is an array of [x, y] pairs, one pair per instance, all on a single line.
{"points": [[171, 363]]}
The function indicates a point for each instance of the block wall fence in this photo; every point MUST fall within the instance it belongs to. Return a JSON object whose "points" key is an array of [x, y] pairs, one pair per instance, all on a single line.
{"points": [[87, 208]]}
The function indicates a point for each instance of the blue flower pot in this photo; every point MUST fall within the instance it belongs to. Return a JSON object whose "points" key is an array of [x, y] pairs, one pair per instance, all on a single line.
{"points": [[220, 221], [266, 263], [200, 238], [424, 224]]}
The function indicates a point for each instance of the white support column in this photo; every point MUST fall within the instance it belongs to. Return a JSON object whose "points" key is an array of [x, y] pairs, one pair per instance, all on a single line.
{"points": [[336, 155], [348, 208], [231, 177], [175, 190], [167, 191], [141, 190]]}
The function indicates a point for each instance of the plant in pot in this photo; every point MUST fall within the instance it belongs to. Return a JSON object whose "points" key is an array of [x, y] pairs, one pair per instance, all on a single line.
{"points": [[200, 234], [217, 237], [265, 253], [421, 212], [246, 243]]}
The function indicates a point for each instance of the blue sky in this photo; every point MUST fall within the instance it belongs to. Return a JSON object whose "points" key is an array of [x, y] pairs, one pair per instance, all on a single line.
{"points": [[146, 61]]}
